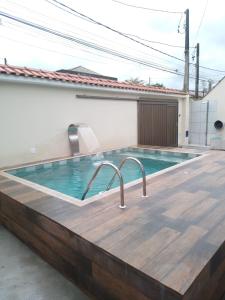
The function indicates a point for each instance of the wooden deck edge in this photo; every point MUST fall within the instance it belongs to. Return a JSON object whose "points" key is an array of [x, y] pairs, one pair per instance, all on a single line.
{"points": [[93, 270], [212, 278]]}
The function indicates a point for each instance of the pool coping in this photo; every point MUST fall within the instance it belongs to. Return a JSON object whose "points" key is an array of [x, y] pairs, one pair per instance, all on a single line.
{"points": [[101, 195]]}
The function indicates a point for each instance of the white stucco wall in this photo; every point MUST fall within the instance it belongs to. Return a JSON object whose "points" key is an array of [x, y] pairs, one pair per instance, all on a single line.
{"points": [[216, 99], [203, 125], [198, 119], [34, 120], [38, 117]]}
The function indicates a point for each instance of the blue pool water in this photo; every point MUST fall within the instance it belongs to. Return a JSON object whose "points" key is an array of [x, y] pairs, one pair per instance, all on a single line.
{"points": [[71, 176]]}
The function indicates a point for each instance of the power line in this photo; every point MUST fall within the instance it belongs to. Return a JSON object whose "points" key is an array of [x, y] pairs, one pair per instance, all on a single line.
{"points": [[203, 15], [179, 24], [56, 19], [212, 69], [156, 42], [110, 28], [66, 44], [126, 35], [120, 33], [44, 15], [66, 54], [37, 12], [147, 8], [86, 43], [92, 22], [43, 48], [199, 26], [94, 46], [14, 27], [75, 33]]}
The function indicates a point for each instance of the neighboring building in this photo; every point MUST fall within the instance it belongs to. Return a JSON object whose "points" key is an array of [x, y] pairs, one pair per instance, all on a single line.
{"points": [[37, 106], [204, 114], [85, 72]]}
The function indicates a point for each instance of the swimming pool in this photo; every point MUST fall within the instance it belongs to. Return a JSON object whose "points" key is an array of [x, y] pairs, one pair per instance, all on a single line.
{"points": [[71, 176]]}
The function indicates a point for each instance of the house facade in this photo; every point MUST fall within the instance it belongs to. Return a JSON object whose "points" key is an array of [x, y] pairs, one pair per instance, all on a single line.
{"points": [[36, 108]]}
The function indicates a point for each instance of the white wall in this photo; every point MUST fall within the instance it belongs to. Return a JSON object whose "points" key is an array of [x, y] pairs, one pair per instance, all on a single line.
{"points": [[216, 99], [34, 120], [198, 118], [38, 117], [216, 111]]}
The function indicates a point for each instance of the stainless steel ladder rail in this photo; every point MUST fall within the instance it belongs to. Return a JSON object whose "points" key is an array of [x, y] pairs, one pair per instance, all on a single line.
{"points": [[142, 171], [117, 172]]}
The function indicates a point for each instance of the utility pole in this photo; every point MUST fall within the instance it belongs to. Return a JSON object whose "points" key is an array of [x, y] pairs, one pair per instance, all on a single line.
{"points": [[209, 85], [197, 71], [186, 53]]}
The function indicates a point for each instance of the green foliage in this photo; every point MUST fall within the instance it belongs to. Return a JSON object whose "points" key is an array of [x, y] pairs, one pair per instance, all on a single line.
{"points": [[135, 81], [158, 85]]}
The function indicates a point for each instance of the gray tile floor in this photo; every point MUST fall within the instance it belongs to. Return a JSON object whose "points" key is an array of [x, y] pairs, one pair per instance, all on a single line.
{"points": [[25, 276]]}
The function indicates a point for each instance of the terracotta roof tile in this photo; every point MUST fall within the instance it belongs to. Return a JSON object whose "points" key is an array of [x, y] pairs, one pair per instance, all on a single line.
{"points": [[86, 80]]}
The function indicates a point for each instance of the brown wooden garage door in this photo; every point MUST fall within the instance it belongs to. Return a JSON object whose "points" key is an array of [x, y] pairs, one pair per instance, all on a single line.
{"points": [[157, 123]]}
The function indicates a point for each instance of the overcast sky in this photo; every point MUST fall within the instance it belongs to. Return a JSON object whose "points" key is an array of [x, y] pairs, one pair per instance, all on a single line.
{"points": [[24, 46]]}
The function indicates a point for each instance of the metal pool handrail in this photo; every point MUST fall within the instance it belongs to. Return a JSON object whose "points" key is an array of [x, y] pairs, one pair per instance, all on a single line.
{"points": [[142, 171], [117, 172]]}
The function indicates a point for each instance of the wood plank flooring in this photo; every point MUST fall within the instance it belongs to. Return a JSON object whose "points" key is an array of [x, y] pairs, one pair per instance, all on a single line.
{"points": [[170, 246]]}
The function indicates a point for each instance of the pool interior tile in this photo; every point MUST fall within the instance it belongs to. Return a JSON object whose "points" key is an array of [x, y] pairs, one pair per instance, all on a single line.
{"points": [[176, 157], [55, 164], [39, 167], [75, 159], [13, 172], [48, 165]]}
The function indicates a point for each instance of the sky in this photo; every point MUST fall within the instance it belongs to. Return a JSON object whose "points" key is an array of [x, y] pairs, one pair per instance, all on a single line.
{"points": [[26, 46]]}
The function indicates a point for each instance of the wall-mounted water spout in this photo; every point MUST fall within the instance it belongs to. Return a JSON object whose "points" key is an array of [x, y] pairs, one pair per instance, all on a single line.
{"points": [[73, 138], [82, 139]]}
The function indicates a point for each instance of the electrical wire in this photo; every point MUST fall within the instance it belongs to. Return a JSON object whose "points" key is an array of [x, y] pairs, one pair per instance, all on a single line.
{"points": [[120, 33], [94, 46], [61, 22], [126, 35], [66, 44], [16, 27], [88, 44], [179, 24], [202, 18], [147, 8], [154, 42], [109, 28], [199, 26], [45, 49]]}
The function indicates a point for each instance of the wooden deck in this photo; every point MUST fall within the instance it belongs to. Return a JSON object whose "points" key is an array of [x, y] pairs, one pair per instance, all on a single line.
{"points": [[170, 246]]}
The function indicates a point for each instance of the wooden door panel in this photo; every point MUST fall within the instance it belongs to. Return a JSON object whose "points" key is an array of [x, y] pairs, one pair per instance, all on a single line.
{"points": [[157, 123], [172, 125]]}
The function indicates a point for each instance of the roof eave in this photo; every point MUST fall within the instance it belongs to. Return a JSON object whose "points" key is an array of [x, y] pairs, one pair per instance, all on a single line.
{"points": [[72, 85]]}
